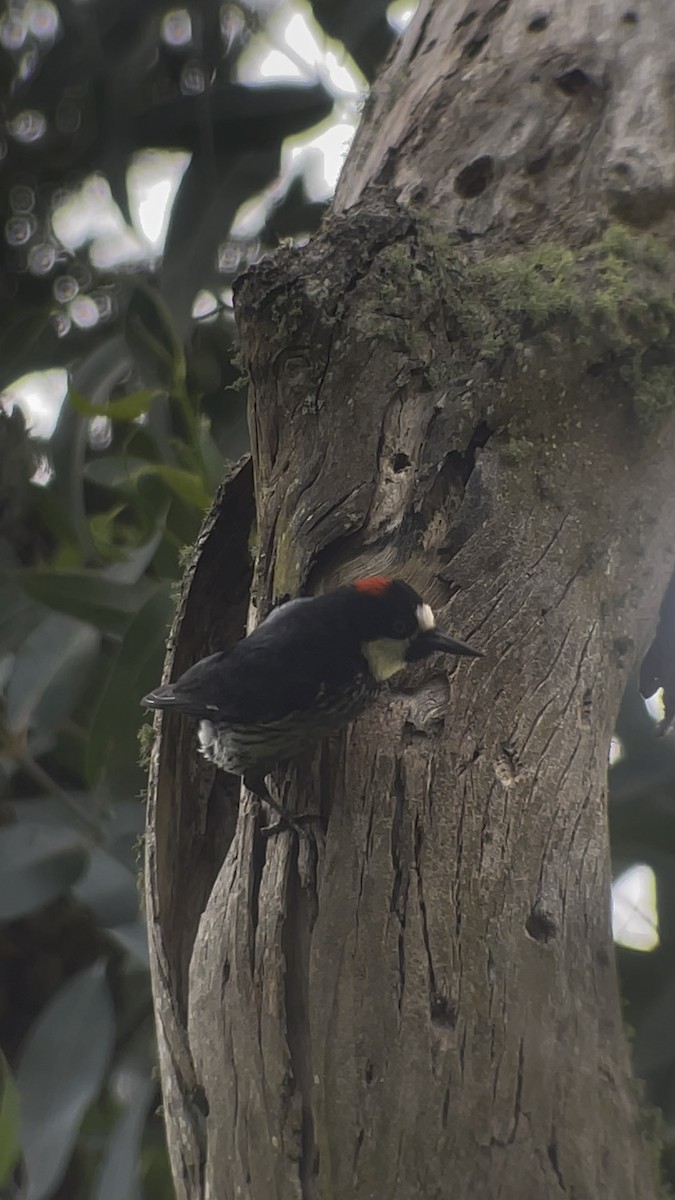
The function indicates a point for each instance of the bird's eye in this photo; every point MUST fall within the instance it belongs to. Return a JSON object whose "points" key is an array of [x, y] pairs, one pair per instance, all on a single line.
{"points": [[399, 628]]}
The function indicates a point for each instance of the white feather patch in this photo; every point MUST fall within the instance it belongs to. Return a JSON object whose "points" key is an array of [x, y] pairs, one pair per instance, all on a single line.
{"points": [[206, 735], [425, 617]]}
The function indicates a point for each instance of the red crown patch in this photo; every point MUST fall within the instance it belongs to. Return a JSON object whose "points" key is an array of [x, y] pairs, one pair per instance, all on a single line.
{"points": [[373, 585]]}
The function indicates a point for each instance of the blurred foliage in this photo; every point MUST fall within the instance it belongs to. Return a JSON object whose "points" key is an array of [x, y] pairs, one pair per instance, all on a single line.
{"points": [[93, 525]]}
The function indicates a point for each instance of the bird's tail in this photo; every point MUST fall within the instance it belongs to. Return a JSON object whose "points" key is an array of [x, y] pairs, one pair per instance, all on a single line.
{"points": [[171, 696], [162, 697]]}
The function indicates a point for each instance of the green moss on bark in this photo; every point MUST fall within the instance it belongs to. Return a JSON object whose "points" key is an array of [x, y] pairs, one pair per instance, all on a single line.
{"points": [[538, 287], [549, 315], [655, 395], [611, 297], [146, 741]]}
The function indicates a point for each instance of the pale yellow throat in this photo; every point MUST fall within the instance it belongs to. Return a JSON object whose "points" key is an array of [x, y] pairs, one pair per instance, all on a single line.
{"points": [[385, 656]]}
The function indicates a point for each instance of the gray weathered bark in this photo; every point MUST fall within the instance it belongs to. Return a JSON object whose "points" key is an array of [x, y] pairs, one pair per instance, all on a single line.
{"points": [[466, 378]]}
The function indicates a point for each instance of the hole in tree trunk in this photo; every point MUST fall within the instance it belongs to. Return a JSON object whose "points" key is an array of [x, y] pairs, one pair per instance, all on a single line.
{"points": [[575, 82], [540, 926], [443, 1012], [401, 462], [474, 179]]}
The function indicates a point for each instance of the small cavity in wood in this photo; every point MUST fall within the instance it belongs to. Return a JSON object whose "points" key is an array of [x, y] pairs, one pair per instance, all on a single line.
{"points": [[575, 82], [537, 165], [466, 20], [401, 462], [475, 45], [474, 178], [540, 926]]}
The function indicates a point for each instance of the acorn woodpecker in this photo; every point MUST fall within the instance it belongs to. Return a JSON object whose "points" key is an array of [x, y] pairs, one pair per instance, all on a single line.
{"points": [[309, 668]]}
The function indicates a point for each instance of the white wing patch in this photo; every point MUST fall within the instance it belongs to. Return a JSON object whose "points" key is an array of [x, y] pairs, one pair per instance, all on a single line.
{"points": [[206, 735], [425, 617]]}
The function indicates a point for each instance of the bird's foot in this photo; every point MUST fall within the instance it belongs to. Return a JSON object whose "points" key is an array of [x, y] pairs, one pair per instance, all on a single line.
{"points": [[257, 785], [286, 821]]}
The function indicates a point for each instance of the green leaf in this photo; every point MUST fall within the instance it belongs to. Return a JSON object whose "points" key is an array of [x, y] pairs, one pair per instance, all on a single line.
{"points": [[115, 471], [120, 1168], [137, 560], [127, 408], [133, 938], [124, 473], [10, 1120], [105, 368], [230, 428], [38, 863], [109, 889], [51, 511], [87, 595], [50, 669], [62, 1069], [152, 338], [186, 484], [135, 670], [108, 533], [68, 450], [18, 617], [211, 457]]}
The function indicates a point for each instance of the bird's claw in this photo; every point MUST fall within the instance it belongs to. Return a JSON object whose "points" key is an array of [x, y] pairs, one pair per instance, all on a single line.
{"points": [[286, 821]]}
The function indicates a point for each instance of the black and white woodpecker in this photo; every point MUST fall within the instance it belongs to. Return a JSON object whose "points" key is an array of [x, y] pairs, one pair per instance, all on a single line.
{"points": [[308, 669]]}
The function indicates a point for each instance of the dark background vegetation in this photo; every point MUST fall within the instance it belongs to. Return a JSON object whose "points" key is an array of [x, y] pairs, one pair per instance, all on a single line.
{"points": [[94, 524]]}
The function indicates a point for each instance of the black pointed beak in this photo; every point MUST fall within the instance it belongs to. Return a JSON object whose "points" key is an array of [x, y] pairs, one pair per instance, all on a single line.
{"points": [[432, 641]]}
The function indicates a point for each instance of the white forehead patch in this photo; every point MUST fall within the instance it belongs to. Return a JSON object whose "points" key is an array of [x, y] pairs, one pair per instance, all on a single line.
{"points": [[425, 618]]}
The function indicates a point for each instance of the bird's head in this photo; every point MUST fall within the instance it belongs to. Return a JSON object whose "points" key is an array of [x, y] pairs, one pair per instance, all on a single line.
{"points": [[396, 627]]}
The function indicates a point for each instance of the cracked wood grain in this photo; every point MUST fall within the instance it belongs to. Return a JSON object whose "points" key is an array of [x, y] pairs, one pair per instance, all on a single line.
{"points": [[192, 813]]}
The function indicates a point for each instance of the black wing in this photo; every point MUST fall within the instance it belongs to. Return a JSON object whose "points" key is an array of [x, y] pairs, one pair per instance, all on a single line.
{"points": [[284, 666]]}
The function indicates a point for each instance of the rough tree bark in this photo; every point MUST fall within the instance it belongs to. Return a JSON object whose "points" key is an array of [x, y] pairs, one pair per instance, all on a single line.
{"points": [[466, 378]]}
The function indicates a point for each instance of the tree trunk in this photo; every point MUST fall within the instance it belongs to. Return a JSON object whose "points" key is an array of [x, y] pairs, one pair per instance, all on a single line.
{"points": [[467, 378]]}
